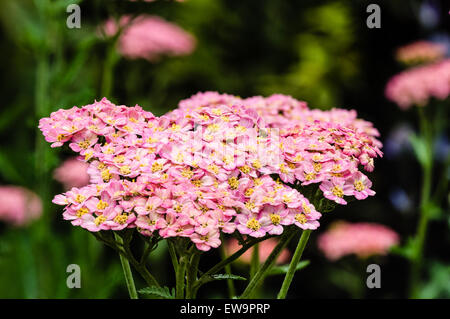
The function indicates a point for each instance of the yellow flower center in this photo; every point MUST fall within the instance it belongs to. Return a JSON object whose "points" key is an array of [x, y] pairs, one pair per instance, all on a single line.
{"points": [[301, 218], [125, 170], [84, 144], [306, 209], [337, 191], [100, 220], [359, 186], [275, 219], [106, 175], [249, 191], [253, 224], [102, 205], [80, 198], [197, 183], [250, 205], [213, 168], [187, 173], [283, 169], [233, 182], [317, 167], [121, 219], [119, 159], [256, 164], [156, 167], [82, 211], [245, 169]]}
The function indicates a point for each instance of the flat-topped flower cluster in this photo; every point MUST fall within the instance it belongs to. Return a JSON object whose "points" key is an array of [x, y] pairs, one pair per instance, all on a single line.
{"points": [[215, 164], [418, 85]]}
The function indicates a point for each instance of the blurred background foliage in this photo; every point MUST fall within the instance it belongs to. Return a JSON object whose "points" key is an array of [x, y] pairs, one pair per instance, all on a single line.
{"points": [[318, 51]]}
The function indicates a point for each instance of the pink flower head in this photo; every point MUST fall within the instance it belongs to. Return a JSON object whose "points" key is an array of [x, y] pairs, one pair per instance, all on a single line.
{"points": [[19, 206], [149, 37], [416, 86], [218, 163], [72, 173], [265, 249], [420, 52], [361, 239]]}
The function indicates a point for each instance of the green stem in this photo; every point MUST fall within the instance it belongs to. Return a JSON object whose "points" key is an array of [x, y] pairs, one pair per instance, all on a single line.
{"points": [[293, 265], [191, 275], [254, 262], [207, 275], [270, 261], [180, 274], [173, 255], [422, 227], [108, 70], [127, 271]]}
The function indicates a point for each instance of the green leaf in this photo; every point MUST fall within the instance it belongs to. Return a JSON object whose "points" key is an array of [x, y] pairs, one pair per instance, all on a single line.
{"points": [[433, 210], [281, 270], [420, 148], [163, 292], [407, 251]]}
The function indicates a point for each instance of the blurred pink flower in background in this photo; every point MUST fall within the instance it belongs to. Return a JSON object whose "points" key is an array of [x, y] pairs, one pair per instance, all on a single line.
{"points": [[19, 205], [265, 248], [149, 37], [361, 239], [420, 52], [72, 173], [418, 85]]}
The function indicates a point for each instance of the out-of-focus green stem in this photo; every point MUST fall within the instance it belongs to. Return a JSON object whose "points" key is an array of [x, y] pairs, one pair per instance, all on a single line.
{"points": [[127, 271], [270, 261], [293, 265], [230, 283], [206, 276], [422, 227], [108, 70]]}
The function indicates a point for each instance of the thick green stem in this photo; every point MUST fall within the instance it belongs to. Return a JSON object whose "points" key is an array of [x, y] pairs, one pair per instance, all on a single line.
{"points": [[180, 274], [254, 262], [127, 271], [173, 255], [191, 275], [293, 265], [270, 261]]}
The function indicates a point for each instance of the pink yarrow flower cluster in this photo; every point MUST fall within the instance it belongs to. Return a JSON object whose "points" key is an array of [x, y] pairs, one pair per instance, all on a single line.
{"points": [[324, 147], [186, 174], [149, 37], [72, 173], [420, 52], [361, 239], [19, 206], [418, 85], [216, 164]]}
